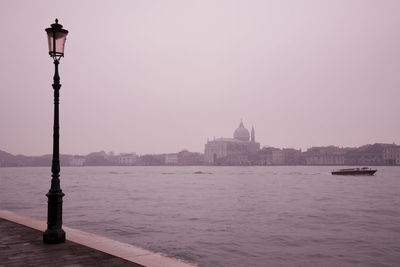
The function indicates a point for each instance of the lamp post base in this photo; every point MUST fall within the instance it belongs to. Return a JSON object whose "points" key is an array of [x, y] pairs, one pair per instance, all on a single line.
{"points": [[54, 236], [54, 233]]}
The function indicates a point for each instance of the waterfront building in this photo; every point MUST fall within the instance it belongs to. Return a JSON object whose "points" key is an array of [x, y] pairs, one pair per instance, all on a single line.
{"points": [[77, 161], [329, 155], [171, 159], [376, 154], [366, 155], [291, 156], [391, 155], [190, 158], [276, 156], [232, 151], [152, 159], [264, 156], [127, 159], [97, 159]]}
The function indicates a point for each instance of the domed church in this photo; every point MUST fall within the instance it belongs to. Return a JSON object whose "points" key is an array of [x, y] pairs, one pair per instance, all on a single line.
{"points": [[232, 151], [242, 133]]}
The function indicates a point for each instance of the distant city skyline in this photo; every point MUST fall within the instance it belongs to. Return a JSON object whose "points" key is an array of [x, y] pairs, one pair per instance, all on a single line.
{"points": [[114, 152], [161, 76], [237, 151]]}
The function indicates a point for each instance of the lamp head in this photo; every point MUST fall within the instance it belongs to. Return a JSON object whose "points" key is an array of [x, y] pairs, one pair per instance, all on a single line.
{"points": [[56, 36]]}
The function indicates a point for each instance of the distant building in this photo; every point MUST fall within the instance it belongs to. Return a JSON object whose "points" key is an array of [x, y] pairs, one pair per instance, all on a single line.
{"points": [[152, 160], [190, 158], [127, 159], [232, 151], [77, 161], [376, 154], [329, 155], [366, 155], [276, 156], [291, 156], [171, 159], [391, 155], [264, 156], [97, 159]]}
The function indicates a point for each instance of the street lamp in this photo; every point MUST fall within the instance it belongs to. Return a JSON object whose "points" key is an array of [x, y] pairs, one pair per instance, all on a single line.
{"points": [[55, 234]]}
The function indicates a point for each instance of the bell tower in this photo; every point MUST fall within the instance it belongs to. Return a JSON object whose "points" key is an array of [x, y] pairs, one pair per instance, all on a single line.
{"points": [[253, 134]]}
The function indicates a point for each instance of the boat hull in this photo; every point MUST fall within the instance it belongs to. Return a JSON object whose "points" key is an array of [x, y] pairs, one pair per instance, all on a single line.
{"points": [[355, 172]]}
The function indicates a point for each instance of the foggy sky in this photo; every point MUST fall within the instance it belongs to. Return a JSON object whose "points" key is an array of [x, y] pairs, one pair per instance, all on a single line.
{"points": [[161, 76]]}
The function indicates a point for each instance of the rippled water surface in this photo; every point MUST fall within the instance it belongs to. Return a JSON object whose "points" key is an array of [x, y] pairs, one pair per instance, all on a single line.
{"points": [[226, 216]]}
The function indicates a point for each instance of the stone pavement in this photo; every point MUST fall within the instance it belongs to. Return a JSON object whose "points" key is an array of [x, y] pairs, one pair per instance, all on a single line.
{"points": [[21, 245]]}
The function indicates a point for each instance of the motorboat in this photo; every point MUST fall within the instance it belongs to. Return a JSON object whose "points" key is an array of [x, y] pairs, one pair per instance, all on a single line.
{"points": [[355, 171]]}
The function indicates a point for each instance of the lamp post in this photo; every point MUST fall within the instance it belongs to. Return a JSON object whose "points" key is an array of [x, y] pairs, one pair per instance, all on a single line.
{"points": [[55, 234]]}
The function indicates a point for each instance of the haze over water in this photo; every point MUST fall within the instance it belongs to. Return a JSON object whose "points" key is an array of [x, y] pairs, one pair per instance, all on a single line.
{"points": [[227, 216], [162, 76]]}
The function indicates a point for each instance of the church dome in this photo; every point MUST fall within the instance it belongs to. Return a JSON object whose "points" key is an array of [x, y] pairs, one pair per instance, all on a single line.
{"points": [[241, 133]]}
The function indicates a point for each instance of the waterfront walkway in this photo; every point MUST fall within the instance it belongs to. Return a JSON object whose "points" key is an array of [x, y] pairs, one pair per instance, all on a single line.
{"points": [[21, 245]]}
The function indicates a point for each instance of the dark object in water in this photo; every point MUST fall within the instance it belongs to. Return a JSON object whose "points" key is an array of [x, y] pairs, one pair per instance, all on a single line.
{"points": [[200, 172], [355, 171]]}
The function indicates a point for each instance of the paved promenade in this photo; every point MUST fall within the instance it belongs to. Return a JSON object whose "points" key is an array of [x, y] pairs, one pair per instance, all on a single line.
{"points": [[21, 245]]}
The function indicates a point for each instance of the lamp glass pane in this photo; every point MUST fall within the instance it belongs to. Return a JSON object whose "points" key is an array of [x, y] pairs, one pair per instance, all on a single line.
{"points": [[60, 42], [50, 40]]}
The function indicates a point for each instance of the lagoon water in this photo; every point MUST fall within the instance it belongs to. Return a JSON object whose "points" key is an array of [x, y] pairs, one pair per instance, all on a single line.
{"points": [[226, 216]]}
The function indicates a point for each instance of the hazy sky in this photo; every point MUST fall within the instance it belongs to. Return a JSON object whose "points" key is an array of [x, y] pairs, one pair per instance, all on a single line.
{"points": [[161, 76]]}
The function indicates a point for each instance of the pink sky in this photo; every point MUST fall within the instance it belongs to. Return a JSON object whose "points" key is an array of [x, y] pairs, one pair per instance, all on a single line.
{"points": [[161, 76]]}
